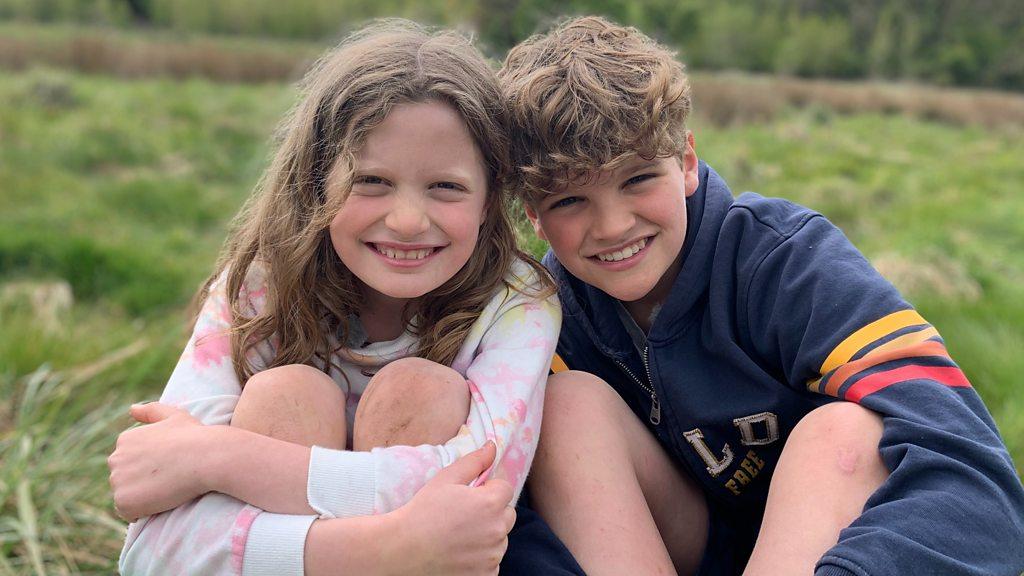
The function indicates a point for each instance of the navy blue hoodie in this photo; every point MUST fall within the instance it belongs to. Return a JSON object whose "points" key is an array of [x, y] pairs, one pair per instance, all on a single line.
{"points": [[773, 314]]}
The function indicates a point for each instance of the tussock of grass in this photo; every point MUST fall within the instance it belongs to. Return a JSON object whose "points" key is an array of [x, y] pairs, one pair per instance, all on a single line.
{"points": [[55, 514]]}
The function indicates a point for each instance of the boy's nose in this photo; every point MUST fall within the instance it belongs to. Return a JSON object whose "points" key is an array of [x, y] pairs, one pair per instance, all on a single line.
{"points": [[612, 223], [407, 218]]}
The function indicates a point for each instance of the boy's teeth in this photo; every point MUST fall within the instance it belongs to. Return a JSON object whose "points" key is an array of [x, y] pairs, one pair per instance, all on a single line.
{"points": [[624, 253], [403, 254]]}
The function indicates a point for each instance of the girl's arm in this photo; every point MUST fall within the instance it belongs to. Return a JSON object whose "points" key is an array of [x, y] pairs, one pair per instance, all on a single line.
{"points": [[506, 364]]}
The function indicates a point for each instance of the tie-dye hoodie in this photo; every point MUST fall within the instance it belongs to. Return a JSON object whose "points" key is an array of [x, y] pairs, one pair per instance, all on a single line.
{"points": [[505, 360]]}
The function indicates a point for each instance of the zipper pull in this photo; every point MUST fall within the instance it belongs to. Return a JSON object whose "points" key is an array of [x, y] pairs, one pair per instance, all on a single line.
{"points": [[655, 410]]}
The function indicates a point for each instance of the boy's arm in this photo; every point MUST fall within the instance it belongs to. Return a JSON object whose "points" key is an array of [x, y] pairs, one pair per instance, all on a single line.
{"points": [[953, 502]]}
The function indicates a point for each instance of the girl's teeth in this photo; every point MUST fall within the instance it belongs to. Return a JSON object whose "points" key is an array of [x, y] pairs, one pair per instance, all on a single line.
{"points": [[404, 254], [624, 253]]}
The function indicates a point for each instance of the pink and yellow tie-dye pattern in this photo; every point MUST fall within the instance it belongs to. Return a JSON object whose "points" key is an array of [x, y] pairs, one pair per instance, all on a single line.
{"points": [[505, 360]]}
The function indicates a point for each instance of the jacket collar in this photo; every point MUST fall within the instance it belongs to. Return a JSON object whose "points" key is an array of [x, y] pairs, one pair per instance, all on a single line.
{"points": [[594, 312]]}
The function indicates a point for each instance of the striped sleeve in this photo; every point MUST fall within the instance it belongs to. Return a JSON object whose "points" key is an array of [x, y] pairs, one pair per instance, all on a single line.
{"points": [[896, 348]]}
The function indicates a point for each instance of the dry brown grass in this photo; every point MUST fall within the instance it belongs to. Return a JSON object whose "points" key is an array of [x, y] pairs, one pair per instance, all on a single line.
{"points": [[135, 57], [723, 98], [726, 99]]}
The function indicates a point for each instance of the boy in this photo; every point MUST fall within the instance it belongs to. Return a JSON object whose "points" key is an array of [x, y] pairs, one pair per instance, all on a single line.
{"points": [[730, 328]]}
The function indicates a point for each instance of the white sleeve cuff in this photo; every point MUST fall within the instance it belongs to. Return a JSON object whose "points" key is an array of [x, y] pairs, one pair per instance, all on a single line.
{"points": [[341, 484], [276, 545]]}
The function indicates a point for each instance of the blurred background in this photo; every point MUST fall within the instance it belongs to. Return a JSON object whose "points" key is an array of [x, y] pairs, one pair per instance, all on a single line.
{"points": [[131, 132]]}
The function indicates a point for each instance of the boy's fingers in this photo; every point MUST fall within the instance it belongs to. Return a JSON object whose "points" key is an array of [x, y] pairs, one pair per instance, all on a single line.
{"points": [[152, 412], [466, 469]]}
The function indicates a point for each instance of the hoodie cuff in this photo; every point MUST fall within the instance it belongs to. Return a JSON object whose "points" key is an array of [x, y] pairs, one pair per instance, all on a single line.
{"points": [[341, 484], [276, 545]]}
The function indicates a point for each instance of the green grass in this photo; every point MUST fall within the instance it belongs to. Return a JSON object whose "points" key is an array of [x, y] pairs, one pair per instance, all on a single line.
{"points": [[124, 191]]}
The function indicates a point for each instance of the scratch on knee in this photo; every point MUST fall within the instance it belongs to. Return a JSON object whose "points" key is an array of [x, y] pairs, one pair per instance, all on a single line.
{"points": [[847, 460]]}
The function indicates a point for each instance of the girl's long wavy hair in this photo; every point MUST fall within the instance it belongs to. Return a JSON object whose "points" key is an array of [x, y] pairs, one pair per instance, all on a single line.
{"points": [[284, 226]]}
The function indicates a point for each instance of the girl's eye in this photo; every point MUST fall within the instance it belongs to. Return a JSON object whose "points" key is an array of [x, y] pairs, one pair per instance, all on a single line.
{"points": [[563, 202], [448, 186], [638, 179], [368, 180], [448, 191]]}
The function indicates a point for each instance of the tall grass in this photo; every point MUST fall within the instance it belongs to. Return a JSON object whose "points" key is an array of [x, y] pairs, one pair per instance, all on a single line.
{"points": [[123, 190]]}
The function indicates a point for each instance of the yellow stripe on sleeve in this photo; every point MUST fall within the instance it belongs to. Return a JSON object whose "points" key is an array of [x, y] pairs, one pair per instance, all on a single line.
{"points": [[868, 334], [558, 365]]}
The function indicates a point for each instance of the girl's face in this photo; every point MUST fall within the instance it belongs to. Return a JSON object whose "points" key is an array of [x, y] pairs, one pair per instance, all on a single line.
{"points": [[417, 203]]}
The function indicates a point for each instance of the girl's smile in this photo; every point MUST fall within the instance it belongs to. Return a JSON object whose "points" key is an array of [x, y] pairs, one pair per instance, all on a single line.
{"points": [[417, 202]]}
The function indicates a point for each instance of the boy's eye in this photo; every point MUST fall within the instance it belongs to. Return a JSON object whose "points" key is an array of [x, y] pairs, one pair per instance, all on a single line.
{"points": [[638, 179], [563, 202]]}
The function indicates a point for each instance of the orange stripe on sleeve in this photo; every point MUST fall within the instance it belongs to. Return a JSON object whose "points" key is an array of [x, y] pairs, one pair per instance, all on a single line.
{"points": [[927, 348], [868, 334], [557, 364]]}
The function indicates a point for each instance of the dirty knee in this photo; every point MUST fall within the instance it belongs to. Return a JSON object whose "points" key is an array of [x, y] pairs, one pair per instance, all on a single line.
{"points": [[411, 401], [295, 403]]}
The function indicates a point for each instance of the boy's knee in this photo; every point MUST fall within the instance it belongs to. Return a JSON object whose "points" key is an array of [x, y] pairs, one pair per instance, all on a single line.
{"points": [[296, 403], [841, 436], [577, 394], [411, 400]]}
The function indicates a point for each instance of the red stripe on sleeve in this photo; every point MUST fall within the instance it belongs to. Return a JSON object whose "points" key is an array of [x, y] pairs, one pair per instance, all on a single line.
{"points": [[948, 375]]}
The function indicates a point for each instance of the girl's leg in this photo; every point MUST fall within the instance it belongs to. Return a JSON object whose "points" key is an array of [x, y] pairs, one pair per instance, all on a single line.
{"points": [[409, 402], [828, 469], [608, 489], [296, 403]]}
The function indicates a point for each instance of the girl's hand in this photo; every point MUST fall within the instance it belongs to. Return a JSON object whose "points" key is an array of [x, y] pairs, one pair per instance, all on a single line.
{"points": [[452, 528], [155, 467]]}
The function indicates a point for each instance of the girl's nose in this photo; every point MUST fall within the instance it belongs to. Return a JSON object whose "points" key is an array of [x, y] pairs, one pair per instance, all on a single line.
{"points": [[407, 217]]}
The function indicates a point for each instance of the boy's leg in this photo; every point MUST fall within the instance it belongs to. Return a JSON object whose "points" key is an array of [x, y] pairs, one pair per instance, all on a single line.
{"points": [[608, 489], [296, 403], [828, 469], [409, 402]]}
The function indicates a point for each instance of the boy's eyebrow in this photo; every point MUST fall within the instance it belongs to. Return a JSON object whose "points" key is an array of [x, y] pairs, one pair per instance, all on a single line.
{"points": [[640, 164]]}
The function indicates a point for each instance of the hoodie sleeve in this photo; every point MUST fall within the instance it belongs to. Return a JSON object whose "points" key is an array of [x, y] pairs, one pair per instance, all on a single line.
{"points": [[215, 534], [953, 503]]}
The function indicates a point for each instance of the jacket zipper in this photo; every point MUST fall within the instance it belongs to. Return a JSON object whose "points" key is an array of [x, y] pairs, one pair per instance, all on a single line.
{"points": [[655, 416]]}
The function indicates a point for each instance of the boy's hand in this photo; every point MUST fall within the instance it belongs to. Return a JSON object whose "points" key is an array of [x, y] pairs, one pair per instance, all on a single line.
{"points": [[452, 528], [155, 468]]}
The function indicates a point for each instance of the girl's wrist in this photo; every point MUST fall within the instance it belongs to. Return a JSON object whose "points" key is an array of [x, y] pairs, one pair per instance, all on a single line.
{"points": [[213, 452]]}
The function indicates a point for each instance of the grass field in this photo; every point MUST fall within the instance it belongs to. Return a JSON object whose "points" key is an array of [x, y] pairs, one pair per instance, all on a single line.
{"points": [[121, 191]]}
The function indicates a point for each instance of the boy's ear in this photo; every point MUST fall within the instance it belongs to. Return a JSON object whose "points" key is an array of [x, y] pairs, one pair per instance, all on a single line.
{"points": [[531, 214], [691, 177]]}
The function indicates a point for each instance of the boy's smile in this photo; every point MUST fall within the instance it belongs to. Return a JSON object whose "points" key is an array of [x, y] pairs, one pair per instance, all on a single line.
{"points": [[622, 230]]}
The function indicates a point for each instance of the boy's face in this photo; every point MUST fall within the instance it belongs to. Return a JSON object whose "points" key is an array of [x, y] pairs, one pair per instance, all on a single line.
{"points": [[623, 231]]}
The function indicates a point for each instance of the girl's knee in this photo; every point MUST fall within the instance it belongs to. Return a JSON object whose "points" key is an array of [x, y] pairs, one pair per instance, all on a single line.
{"points": [[411, 401], [295, 403]]}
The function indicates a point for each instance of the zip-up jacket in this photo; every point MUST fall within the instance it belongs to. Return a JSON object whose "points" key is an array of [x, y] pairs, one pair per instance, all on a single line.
{"points": [[773, 314]]}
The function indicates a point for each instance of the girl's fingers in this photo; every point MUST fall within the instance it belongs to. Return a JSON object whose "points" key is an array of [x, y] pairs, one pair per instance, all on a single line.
{"points": [[152, 412], [466, 469]]}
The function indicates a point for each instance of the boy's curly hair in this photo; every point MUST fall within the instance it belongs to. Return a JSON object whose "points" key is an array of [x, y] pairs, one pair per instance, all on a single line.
{"points": [[587, 96]]}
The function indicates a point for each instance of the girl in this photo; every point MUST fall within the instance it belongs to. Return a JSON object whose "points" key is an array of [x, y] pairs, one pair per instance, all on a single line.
{"points": [[370, 322]]}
